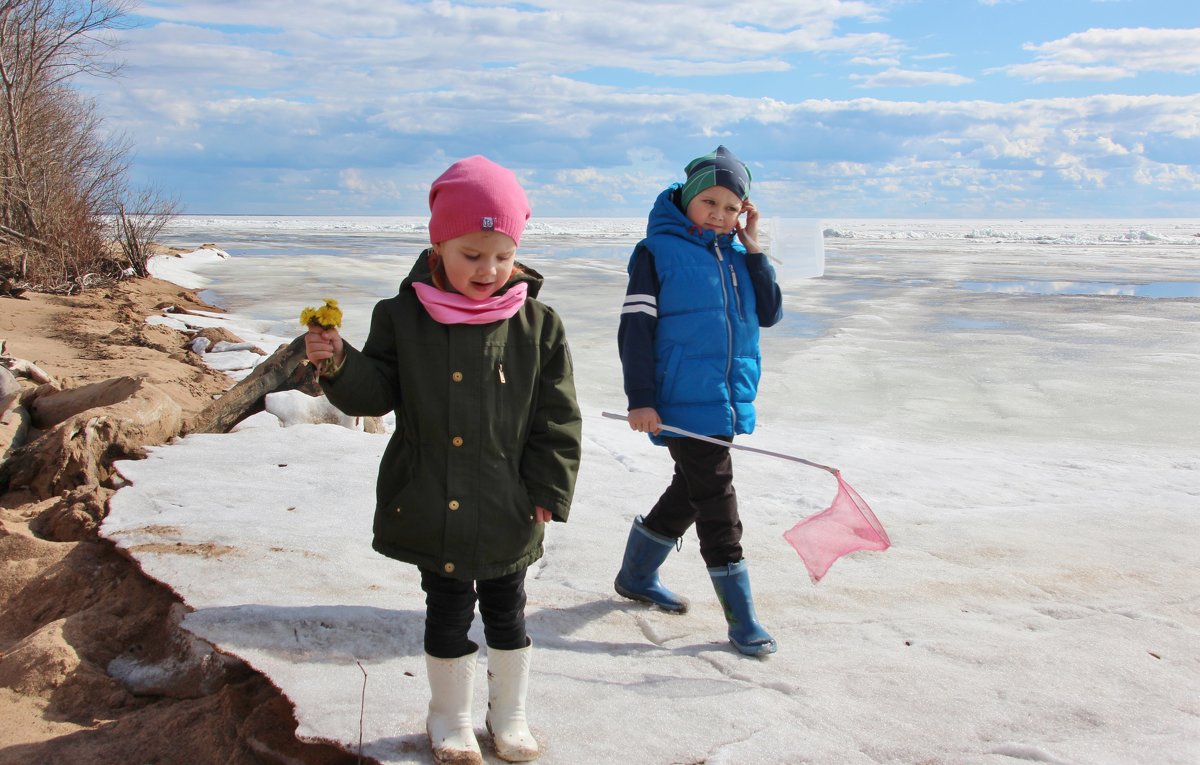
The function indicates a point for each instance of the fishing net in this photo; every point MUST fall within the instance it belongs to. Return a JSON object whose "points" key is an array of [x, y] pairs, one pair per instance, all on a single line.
{"points": [[845, 526]]}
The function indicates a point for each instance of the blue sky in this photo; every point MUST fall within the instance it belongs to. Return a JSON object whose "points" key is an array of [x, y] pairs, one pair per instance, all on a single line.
{"points": [[842, 108]]}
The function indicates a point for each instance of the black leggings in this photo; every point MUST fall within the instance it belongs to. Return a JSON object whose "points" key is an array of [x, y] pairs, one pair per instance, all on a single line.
{"points": [[701, 492], [450, 609]]}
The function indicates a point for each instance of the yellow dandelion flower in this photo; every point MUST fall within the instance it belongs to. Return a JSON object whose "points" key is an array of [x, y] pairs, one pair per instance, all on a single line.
{"points": [[328, 316]]}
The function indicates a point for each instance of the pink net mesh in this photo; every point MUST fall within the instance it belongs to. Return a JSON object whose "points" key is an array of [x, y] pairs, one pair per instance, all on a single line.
{"points": [[845, 526]]}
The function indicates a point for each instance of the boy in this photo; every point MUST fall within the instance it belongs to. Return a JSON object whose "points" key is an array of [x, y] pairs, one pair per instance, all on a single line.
{"points": [[699, 289]]}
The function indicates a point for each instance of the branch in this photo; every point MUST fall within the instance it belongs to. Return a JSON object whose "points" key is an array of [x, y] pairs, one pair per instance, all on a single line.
{"points": [[23, 237]]}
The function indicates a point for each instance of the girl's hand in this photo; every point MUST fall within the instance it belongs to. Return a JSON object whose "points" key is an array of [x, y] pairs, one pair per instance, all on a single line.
{"points": [[542, 515], [321, 344], [645, 420], [748, 233]]}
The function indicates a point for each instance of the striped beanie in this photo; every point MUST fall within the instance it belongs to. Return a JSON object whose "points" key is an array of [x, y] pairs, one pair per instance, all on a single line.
{"points": [[719, 168]]}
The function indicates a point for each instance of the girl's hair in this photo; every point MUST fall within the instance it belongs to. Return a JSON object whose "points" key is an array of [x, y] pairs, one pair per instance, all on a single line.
{"points": [[438, 272]]}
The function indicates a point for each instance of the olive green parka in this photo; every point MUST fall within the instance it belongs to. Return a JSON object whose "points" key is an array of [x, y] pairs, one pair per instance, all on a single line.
{"points": [[487, 428]]}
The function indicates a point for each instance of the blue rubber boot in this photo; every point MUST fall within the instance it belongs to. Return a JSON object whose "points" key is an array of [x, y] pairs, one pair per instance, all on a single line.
{"points": [[732, 583], [638, 578]]}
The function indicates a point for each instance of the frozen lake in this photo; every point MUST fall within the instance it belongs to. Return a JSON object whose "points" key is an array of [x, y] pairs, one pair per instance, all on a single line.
{"points": [[1031, 450]]}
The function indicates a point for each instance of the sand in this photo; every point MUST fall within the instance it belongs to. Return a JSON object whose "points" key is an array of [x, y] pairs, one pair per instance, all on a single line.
{"points": [[71, 604]]}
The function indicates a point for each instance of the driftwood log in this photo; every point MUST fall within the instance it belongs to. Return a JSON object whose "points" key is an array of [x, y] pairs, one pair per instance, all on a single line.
{"points": [[80, 450], [10, 290], [224, 413], [10, 392], [84, 430], [23, 368], [14, 423], [54, 406], [283, 370], [14, 417]]}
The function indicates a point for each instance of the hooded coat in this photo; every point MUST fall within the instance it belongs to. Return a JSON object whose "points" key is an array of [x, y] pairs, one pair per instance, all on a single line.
{"points": [[487, 428], [689, 329]]}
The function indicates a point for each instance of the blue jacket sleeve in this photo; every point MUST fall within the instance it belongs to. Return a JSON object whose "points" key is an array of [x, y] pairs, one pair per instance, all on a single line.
{"points": [[767, 294], [635, 336]]}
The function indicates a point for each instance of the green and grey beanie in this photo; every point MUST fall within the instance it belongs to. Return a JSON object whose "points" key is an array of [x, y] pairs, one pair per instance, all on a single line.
{"points": [[720, 168]]}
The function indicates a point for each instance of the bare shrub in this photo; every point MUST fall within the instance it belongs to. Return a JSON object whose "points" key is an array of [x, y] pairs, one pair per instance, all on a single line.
{"points": [[138, 221]]}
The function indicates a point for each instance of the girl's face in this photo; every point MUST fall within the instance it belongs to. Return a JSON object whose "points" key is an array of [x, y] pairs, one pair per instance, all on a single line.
{"points": [[479, 263], [715, 209]]}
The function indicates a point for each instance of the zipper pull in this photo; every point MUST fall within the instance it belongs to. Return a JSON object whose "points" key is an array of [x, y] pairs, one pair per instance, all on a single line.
{"points": [[500, 372], [733, 275]]}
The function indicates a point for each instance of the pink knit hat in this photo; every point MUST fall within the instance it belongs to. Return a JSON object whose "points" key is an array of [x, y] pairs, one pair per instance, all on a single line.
{"points": [[476, 194]]}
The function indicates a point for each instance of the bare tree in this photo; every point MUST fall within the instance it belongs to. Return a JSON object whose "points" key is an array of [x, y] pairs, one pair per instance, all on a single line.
{"points": [[58, 173]]}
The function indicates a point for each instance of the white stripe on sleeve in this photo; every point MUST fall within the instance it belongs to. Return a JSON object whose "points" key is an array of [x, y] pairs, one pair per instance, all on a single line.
{"points": [[647, 299]]}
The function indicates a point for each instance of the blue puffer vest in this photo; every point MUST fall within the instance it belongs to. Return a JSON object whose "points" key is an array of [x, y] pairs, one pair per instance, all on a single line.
{"points": [[707, 359]]}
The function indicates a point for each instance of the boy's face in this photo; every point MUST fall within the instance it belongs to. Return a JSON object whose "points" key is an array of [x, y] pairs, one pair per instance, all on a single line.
{"points": [[715, 209], [479, 263]]}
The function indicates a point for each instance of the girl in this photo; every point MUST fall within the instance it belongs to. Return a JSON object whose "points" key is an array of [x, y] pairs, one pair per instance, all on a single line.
{"points": [[486, 448]]}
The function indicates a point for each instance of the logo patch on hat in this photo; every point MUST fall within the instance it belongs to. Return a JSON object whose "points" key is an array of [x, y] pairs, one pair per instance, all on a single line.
{"points": [[489, 224]]}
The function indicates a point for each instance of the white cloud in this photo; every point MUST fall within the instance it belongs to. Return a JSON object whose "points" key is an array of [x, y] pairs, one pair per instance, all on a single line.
{"points": [[352, 180], [909, 78], [546, 35], [1109, 54], [1076, 170], [1053, 71], [1168, 176], [875, 61], [358, 104], [1107, 145]]}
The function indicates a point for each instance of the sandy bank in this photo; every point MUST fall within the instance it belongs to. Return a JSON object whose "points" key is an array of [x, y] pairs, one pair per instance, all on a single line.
{"points": [[73, 609]]}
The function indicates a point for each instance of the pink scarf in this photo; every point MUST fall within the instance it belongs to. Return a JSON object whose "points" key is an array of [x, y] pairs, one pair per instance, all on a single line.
{"points": [[453, 308]]}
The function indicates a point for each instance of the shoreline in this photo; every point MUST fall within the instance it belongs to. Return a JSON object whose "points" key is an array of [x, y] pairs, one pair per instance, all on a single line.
{"points": [[71, 603]]}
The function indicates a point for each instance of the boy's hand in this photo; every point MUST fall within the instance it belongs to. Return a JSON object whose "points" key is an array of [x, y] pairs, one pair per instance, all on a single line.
{"points": [[321, 344], [645, 420], [542, 515], [748, 233]]}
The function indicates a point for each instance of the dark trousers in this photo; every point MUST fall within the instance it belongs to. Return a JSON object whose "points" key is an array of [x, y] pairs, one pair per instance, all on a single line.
{"points": [[450, 608], [701, 492]]}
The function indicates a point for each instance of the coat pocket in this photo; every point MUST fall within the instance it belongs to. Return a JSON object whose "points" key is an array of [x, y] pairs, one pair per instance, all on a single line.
{"points": [[409, 520], [668, 375]]}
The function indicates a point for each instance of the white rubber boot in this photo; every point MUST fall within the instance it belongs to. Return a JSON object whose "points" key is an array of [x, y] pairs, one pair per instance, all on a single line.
{"points": [[508, 683], [451, 688]]}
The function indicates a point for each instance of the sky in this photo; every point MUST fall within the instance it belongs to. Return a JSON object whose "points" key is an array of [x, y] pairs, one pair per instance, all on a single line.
{"points": [[842, 108], [1037, 605]]}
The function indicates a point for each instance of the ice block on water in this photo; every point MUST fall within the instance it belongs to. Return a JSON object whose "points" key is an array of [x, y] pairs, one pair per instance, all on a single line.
{"points": [[796, 247]]}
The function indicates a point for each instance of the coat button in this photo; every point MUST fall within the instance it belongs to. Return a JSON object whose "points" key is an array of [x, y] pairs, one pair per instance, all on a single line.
{"points": [[448, 568], [457, 441], [454, 504], [456, 377]]}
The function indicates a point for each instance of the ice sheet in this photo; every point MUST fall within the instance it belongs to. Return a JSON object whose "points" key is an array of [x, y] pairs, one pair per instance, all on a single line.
{"points": [[1034, 458]]}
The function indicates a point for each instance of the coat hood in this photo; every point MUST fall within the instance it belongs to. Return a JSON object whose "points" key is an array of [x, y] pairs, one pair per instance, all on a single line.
{"points": [[667, 218]]}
